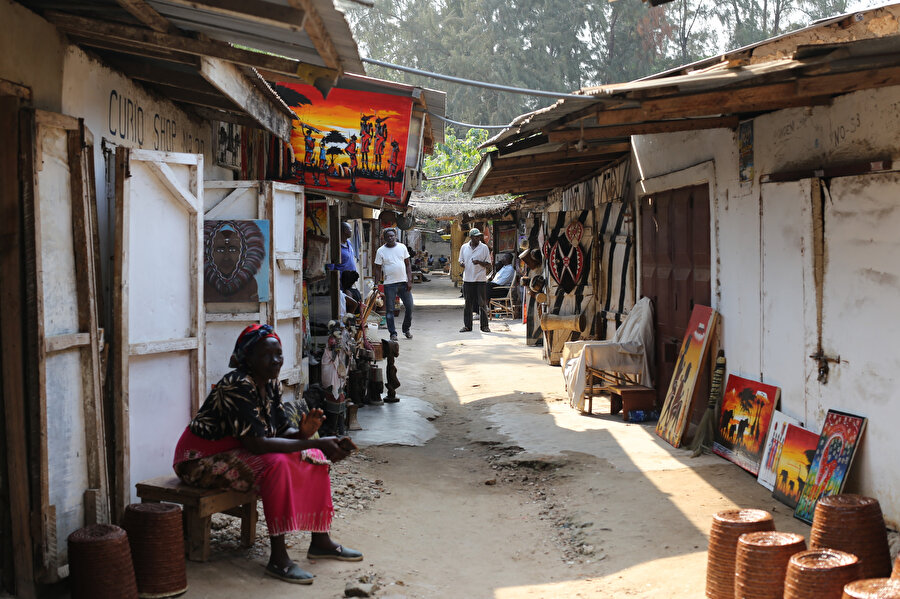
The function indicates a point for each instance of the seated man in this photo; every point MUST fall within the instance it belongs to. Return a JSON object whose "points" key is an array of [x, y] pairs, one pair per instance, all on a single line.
{"points": [[502, 277]]}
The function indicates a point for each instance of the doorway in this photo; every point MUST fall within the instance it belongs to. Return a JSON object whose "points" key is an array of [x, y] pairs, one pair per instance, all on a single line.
{"points": [[675, 269]]}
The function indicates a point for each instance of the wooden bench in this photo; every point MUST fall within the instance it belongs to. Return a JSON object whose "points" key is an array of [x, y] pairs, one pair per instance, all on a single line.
{"points": [[199, 505], [624, 397]]}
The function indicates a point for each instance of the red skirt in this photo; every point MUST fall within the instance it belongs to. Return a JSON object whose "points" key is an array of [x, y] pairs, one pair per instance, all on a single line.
{"points": [[295, 488]]}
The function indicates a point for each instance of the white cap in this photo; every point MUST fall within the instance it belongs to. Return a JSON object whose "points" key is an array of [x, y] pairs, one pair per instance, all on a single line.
{"points": [[473, 232]]}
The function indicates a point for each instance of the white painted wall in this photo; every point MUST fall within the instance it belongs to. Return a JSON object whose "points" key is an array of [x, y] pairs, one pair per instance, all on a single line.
{"points": [[31, 54], [761, 254]]}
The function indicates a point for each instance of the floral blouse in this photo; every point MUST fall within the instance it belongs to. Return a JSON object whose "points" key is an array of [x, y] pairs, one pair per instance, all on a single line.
{"points": [[234, 409]]}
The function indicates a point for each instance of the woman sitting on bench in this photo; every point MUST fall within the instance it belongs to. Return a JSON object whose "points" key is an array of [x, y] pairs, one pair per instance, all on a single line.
{"points": [[242, 438]]}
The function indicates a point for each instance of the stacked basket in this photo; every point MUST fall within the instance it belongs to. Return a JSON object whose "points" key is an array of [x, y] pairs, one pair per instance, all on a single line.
{"points": [[762, 561], [100, 563], [157, 548], [727, 527], [854, 524], [873, 588], [819, 574]]}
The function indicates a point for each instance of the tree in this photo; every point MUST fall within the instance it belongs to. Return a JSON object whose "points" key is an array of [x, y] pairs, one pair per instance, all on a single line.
{"points": [[456, 154]]}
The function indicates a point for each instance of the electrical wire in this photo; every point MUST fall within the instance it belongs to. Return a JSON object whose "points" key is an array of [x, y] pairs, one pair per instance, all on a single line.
{"points": [[460, 80], [469, 125]]}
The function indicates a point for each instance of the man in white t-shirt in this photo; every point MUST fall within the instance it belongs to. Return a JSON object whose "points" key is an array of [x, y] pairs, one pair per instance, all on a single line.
{"points": [[475, 258], [392, 268]]}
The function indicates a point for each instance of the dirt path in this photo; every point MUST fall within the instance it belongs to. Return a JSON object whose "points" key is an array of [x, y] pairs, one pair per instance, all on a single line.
{"points": [[515, 496]]}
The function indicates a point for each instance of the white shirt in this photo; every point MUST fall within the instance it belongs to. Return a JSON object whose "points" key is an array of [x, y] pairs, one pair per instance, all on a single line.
{"points": [[505, 275], [393, 263], [474, 273]]}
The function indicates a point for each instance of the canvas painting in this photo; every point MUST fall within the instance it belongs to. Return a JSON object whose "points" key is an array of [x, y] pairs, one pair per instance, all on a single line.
{"points": [[834, 454], [772, 450], [235, 261], [351, 141], [744, 418], [792, 467], [694, 348]]}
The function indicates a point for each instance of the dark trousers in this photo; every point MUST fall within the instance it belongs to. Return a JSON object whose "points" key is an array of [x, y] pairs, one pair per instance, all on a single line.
{"points": [[476, 299], [497, 291], [402, 291]]}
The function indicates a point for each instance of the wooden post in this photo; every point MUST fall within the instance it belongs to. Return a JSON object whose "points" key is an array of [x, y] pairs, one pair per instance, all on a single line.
{"points": [[12, 364], [120, 345], [334, 280]]}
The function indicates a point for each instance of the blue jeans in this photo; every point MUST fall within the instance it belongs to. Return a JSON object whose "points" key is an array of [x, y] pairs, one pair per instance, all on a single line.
{"points": [[390, 292]]}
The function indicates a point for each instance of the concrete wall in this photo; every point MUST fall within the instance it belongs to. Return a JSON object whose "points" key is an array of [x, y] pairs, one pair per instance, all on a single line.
{"points": [[762, 246]]}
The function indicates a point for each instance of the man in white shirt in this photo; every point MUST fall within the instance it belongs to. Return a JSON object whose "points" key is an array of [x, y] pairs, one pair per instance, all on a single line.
{"points": [[393, 270], [475, 259], [499, 282]]}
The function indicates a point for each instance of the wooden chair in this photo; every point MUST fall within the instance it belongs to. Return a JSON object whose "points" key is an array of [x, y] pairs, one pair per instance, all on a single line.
{"points": [[503, 307]]}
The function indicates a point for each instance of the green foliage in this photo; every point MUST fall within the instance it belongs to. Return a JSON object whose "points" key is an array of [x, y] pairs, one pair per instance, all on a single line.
{"points": [[454, 155]]}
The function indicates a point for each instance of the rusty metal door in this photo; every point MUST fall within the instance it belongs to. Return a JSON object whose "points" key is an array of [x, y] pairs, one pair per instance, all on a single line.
{"points": [[675, 268]]}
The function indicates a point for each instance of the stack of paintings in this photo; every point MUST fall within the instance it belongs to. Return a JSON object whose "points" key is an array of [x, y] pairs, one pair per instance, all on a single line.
{"points": [[792, 471], [744, 417]]}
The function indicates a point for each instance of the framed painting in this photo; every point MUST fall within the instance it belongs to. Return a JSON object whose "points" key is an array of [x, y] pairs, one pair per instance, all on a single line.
{"points": [[834, 454], [744, 418], [692, 357], [772, 450], [352, 141], [792, 467], [235, 261]]}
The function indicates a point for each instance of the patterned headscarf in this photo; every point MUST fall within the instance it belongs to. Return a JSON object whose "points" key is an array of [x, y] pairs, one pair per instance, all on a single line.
{"points": [[248, 338]]}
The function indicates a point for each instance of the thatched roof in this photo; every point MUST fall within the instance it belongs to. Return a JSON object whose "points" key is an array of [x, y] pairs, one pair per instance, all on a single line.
{"points": [[454, 204]]}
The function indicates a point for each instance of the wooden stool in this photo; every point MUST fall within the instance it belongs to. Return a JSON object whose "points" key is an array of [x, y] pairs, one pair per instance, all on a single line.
{"points": [[199, 506], [633, 397]]}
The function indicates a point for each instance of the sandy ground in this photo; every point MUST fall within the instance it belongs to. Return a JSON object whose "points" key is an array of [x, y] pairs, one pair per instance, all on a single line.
{"points": [[483, 483]]}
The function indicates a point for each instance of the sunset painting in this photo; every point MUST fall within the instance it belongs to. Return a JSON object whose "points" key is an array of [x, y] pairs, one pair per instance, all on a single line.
{"points": [[792, 469], [353, 141], [744, 417]]}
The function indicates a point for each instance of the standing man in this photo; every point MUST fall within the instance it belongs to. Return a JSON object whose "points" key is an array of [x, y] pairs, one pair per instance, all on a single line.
{"points": [[475, 258], [348, 260], [393, 270]]}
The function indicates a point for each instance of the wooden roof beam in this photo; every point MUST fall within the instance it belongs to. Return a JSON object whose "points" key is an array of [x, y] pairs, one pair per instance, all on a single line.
{"points": [[599, 133], [147, 15], [136, 37], [318, 34], [566, 156], [267, 13]]}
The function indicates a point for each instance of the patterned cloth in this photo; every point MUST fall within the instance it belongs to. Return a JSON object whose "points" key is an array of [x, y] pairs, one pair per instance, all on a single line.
{"points": [[234, 409]]}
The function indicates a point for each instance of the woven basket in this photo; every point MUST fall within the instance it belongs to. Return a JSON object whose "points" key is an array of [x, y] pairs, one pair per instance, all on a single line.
{"points": [[820, 574], [854, 524], [726, 528], [762, 560], [157, 548], [873, 588], [100, 563]]}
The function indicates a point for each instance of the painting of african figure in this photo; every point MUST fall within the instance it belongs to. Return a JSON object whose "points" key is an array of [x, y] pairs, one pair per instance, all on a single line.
{"points": [[676, 409], [744, 417], [235, 261], [838, 443]]}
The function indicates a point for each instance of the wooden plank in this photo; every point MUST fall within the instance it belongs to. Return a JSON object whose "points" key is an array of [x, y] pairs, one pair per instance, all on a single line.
{"points": [[54, 119], [271, 307], [290, 264], [34, 271], [147, 15], [81, 168], [198, 312], [266, 13], [224, 204], [848, 82], [58, 343], [167, 177], [318, 34], [135, 37], [215, 115], [595, 133], [288, 314], [12, 358], [292, 376], [230, 184], [232, 316], [168, 157], [123, 47], [292, 187], [299, 230], [8, 88], [120, 346], [289, 255], [563, 156], [164, 346]]}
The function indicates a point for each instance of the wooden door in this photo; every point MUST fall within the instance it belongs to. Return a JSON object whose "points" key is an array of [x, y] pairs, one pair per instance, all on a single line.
{"points": [[675, 268], [70, 469], [159, 343], [281, 206]]}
